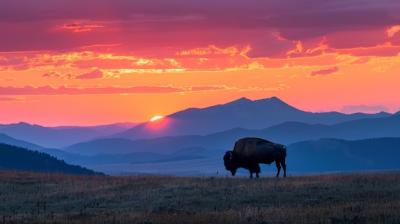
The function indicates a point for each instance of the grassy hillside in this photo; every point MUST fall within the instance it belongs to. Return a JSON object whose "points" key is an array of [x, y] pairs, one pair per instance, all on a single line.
{"points": [[16, 158], [358, 198]]}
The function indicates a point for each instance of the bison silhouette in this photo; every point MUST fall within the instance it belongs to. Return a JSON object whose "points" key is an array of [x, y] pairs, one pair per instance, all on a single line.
{"points": [[248, 153]]}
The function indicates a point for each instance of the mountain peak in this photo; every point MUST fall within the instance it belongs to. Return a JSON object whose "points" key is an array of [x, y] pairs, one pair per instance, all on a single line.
{"points": [[271, 99], [240, 101], [274, 100], [19, 124], [23, 124]]}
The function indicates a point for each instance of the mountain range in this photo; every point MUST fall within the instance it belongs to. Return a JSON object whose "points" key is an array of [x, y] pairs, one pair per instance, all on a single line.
{"points": [[243, 113], [286, 133], [193, 140]]}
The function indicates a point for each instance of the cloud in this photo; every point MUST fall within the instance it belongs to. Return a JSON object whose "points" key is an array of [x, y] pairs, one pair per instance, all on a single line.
{"points": [[393, 31], [213, 50], [180, 24], [48, 90], [327, 71], [5, 98], [63, 90], [12, 62], [363, 108], [53, 74], [96, 74], [79, 27], [383, 50], [208, 88]]}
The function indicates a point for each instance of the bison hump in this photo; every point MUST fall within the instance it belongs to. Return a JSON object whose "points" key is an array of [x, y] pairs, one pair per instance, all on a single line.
{"points": [[252, 147]]}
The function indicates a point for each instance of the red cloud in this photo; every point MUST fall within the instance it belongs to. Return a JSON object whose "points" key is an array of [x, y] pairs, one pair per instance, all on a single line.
{"points": [[392, 31], [325, 71], [53, 74], [96, 74], [78, 27]]}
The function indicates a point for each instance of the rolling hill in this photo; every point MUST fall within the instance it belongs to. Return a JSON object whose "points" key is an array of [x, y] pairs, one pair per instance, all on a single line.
{"points": [[20, 159]]}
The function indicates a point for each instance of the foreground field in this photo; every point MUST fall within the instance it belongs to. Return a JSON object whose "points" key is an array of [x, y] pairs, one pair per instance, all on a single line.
{"points": [[358, 198]]}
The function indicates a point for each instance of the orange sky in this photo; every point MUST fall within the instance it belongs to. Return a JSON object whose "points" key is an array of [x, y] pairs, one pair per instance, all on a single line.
{"points": [[90, 69]]}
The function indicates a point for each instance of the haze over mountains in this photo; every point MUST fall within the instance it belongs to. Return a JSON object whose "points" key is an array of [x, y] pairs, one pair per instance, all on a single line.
{"points": [[327, 155], [313, 156], [192, 141]]}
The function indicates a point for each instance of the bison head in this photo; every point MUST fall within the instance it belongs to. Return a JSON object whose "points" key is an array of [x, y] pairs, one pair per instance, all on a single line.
{"points": [[230, 162]]}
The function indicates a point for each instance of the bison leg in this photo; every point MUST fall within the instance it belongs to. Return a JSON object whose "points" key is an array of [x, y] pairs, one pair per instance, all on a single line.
{"points": [[284, 167], [257, 170], [278, 166], [254, 168]]}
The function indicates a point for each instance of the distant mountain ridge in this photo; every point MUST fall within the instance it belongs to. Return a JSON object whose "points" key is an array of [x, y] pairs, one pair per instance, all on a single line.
{"points": [[58, 137], [243, 113]]}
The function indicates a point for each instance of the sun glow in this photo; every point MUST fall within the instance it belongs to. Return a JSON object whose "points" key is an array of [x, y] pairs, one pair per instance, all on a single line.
{"points": [[156, 118]]}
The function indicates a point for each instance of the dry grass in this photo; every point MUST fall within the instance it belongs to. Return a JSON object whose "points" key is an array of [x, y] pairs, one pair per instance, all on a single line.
{"points": [[358, 198]]}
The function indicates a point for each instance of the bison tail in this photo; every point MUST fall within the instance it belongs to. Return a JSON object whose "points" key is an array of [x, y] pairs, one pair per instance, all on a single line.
{"points": [[284, 152]]}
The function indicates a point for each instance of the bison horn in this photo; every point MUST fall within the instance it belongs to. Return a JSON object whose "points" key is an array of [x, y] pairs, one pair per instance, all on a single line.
{"points": [[230, 155]]}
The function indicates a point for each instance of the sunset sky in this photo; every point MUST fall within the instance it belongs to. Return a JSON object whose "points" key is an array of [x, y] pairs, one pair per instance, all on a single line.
{"points": [[87, 62]]}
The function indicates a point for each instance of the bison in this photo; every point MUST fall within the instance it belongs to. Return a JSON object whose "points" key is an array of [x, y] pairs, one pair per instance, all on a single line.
{"points": [[248, 153]]}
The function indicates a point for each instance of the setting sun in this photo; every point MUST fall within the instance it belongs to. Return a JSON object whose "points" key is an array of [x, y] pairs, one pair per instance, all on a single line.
{"points": [[156, 118]]}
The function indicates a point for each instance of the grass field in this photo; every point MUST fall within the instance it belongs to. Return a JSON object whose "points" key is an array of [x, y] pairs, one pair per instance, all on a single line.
{"points": [[356, 198]]}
